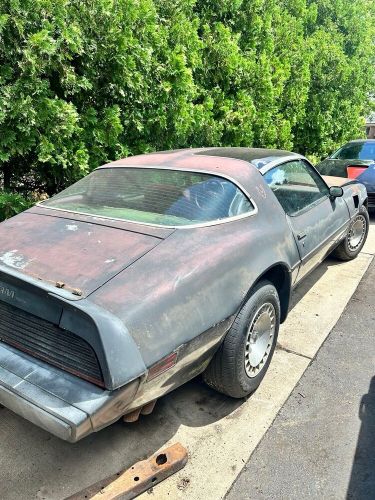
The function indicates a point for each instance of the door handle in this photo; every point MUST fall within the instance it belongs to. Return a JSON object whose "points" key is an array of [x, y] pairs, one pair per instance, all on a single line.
{"points": [[300, 236]]}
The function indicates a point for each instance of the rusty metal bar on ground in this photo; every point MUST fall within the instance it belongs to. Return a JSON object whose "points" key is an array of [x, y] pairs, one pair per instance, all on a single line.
{"points": [[130, 483]]}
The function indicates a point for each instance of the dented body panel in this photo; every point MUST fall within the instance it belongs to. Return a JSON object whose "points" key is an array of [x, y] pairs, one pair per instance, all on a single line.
{"points": [[137, 293]]}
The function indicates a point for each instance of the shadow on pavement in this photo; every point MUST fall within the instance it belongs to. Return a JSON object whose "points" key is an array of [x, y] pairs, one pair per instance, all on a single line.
{"points": [[308, 282], [362, 479], [35, 464]]}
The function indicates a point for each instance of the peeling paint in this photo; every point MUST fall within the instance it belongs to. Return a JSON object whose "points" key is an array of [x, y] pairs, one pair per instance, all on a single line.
{"points": [[12, 259], [43, 247]]}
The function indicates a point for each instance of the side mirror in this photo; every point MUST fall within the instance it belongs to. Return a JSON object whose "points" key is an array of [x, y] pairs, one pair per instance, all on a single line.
{"points": [[335, 192]]}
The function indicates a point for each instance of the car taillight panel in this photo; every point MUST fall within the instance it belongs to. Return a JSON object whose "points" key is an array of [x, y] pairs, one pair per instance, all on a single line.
{"points": [[355, 171]]}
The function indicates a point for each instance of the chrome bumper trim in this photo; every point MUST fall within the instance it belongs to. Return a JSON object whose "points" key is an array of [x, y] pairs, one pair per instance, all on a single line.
{"points": [[56, 401]]}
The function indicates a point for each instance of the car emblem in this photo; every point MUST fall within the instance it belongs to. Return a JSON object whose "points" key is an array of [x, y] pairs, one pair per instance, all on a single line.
{"points": [[7, 292]]}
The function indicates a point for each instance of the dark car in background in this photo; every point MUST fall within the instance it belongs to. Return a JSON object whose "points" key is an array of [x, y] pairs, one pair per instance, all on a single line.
{"points": [[354, 160]]}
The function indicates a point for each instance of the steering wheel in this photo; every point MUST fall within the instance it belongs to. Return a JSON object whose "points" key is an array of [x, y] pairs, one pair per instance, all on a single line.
{"points": [[209, 189]]}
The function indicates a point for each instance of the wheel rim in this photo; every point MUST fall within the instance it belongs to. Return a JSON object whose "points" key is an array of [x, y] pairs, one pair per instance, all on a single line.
{"points": [[259, 339], [356, 232]]}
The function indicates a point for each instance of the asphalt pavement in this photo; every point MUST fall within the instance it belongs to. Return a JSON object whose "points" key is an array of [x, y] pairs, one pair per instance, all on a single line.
{"points": [[322, 442]]}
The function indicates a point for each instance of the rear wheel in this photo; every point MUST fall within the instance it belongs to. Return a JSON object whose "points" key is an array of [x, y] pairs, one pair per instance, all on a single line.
{"points": [[242, 360], [355, 238]]}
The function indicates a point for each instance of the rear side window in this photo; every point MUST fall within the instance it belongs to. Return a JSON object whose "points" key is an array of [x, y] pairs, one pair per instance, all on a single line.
{"points": [[296, 185], [154, 196]]}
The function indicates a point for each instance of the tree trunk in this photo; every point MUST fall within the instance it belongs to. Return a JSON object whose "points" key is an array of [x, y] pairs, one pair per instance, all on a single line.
{"points": [[6, 175]]}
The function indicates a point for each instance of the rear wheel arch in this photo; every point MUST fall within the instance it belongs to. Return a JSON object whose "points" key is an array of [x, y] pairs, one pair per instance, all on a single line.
{"points": [[281, 277], [243, 358]]}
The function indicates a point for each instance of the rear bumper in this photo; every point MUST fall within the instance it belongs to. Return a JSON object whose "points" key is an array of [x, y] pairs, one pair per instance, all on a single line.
{"points": [[58, 402], [70, 424]]}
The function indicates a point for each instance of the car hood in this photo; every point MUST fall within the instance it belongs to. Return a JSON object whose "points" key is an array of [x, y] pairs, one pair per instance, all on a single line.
{"points": [[337, 168], [76, 256]]}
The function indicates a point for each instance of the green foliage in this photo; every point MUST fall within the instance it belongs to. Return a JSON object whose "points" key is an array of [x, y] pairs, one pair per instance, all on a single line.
{"points": [[12, 204], [82, 83]]}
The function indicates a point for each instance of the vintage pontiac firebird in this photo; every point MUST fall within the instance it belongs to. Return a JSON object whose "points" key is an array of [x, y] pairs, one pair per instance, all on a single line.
{"points": [[156, 268]]}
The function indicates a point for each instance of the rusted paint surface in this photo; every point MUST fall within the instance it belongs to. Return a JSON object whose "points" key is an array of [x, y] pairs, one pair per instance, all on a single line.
{"points": [[130, 483], [185, 159], [71, 255]]}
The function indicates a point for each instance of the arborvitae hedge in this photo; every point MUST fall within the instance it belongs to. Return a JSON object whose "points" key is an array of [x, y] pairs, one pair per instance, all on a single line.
{"points": [[83, 82]]}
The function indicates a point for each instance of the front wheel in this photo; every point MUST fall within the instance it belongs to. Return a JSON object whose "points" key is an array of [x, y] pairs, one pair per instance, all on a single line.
{"points": [[242, 360], [355, 238]]}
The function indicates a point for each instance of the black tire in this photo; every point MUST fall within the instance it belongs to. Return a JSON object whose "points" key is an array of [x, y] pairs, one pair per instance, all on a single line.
{"points": [[345, 251], [226, 372]]}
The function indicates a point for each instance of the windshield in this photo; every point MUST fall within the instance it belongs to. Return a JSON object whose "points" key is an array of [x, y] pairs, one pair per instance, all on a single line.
{"points": [[360, 151], [153, 196]]}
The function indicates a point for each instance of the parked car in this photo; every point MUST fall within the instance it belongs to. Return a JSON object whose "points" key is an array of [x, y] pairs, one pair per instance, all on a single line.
{"points": [[354, 160], [156, 268]]}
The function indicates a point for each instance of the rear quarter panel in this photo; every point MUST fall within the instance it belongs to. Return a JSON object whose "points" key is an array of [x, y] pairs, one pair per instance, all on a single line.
{"points": [[198, 278], [355, 193]]}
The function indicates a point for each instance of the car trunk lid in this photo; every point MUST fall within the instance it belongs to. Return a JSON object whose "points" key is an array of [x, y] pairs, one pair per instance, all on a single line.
{"points": [[77, 256]]}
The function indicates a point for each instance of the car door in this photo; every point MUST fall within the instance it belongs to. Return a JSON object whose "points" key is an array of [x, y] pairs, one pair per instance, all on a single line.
{"points": [[317, 221]]}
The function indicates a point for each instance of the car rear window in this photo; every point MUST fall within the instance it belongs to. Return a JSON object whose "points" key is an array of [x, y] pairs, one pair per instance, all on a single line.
{"points": [[360, 151], [154, 196]]}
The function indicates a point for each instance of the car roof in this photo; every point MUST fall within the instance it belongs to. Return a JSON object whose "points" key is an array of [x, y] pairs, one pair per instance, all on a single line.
{"points": [[246, 154], [359, 141], [227, 161]]}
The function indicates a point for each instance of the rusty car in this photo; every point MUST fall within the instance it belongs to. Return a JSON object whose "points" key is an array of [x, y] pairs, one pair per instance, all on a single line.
{"points": [[155, 269]]}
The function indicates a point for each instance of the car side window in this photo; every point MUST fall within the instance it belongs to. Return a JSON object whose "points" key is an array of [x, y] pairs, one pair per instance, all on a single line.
{"points": [[296, 185]]}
